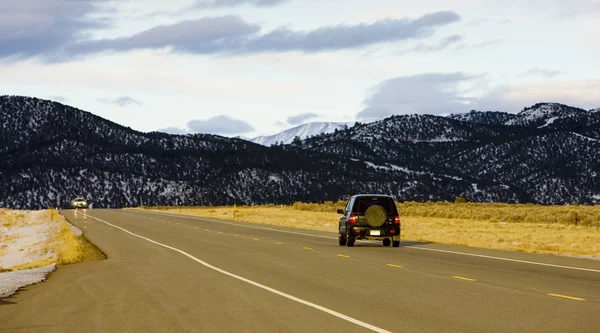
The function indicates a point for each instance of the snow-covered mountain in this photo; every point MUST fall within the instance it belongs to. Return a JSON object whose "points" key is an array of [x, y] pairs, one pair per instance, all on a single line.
{"points": [[51, 153], [539, 115], [302, 131], [544, 114], [548, 153]]}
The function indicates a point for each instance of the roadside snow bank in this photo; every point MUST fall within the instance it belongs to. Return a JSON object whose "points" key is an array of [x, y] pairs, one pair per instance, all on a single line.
{"points": [[10, 282], [24, 237], [26, 240], [33, 243]]}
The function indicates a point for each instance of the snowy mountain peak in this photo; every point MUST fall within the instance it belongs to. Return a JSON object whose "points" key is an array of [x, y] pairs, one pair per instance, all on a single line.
{"points": [[544, 114], [302, 131], [541, 110]]}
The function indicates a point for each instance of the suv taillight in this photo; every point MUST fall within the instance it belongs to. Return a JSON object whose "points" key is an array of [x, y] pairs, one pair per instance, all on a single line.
{"points": [[396, 219], [352, 219]]}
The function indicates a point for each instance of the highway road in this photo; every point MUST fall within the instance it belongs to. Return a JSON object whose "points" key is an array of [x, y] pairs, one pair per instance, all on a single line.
{"points": [[177, 273]]}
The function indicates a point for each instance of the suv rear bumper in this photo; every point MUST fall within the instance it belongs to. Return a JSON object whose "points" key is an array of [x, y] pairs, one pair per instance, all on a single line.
{"points": [[375, 233]]}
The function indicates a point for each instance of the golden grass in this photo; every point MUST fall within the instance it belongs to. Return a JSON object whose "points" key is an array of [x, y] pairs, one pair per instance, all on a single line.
{"points": [[286, 216], [11, 220], [501, 212], [529, 228], [538, 237], [65, 246], [495, 212], [73, 249]]}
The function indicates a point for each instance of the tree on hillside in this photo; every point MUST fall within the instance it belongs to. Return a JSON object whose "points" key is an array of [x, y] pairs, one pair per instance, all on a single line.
{"points": [[460, 200]]}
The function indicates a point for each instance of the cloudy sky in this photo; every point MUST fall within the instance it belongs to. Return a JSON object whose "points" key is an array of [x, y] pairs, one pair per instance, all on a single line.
{"points": [[256, 67]]}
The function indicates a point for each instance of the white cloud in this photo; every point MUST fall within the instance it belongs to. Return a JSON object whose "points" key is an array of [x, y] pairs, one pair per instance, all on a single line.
{"points": [[446, 93], [121, 101], [173, 130], [229, 34], [542, 72], [301, 118], [432, 93], [233, 3], [59, 99], [579, 93], [30, 28], [222, 124]]}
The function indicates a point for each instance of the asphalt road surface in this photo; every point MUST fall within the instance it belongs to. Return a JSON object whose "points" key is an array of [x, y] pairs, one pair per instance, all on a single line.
{"points": [[170, 273]]}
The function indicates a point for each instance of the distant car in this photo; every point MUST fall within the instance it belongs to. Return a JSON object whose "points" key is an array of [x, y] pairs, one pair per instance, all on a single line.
{"points": [[369, 216], [79, 203]]}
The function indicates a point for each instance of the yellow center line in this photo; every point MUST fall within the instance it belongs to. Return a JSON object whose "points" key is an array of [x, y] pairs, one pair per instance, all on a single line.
{"points": [[567, 297], [392, 265], [206, 230], [220, 232], [255, 238], [343, 256], [196, 227], [463, 278], [307, 248], [237, 235], [280, 243]]}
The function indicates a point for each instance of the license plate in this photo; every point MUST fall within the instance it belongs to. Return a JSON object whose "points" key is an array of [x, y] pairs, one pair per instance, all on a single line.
{"points": [[375, 233]]}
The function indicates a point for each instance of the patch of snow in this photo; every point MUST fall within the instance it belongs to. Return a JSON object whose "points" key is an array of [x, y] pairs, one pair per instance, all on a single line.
{"points": [[597, 196], [585, 137], [548, 122], [399, 168], [26, 240], [441, 138], [531, 115], [76, 231], [10, 282], [395, 167], [474, 185]]}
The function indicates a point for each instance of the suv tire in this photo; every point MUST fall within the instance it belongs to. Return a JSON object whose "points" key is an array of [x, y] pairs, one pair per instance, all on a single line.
{"points": [[341, 238], [350, 239], [386, 242], [396, 243]]}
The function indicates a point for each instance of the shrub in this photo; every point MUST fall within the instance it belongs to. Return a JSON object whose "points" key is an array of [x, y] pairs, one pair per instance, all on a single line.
{"points": [[460, 200]]}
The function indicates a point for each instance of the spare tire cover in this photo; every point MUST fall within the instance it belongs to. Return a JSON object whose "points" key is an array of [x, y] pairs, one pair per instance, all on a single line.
{"points": [[375, 216]]}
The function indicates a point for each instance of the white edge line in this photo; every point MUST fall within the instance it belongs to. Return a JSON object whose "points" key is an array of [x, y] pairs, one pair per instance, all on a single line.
{"points": [[508, 259], [256, 284], [411, 247]]}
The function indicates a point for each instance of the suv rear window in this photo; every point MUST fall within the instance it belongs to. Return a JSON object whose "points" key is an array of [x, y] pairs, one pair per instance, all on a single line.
{"points": [[362, 203]]}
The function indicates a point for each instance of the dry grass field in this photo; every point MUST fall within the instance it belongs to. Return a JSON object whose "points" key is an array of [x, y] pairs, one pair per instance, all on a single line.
{"points": [[566, 230], [33, 239]]}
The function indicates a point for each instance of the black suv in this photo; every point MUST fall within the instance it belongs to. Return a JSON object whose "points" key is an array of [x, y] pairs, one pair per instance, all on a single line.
{"points": [[369, 216]]}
